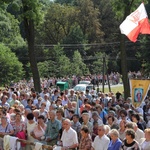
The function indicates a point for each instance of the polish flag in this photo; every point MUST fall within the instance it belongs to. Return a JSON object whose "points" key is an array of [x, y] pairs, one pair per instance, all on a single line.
{"points": [[136, 23]]}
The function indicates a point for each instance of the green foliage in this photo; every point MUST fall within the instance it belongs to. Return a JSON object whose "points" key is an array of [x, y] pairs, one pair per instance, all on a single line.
{"points": [[64, 66], [11, 68], [9, 27], [97, 65], [75, 36], [144, 53], [122, 8], [107, 20], [60, 65], [32, 10], [57, 24], [88, 21], [43, 68], [78, 66], [119, 8], [65, 1]]}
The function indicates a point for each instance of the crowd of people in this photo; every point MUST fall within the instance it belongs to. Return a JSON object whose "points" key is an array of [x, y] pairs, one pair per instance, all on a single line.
{"points": [[73, 120], [95, 79]]}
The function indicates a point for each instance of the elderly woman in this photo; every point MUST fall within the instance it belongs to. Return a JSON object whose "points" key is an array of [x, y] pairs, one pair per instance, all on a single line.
{"points": [[145, 144], [18, 124], [85, 142], [96, 118], [5, 129], [115, 142], [85, 117], [130, 142]]}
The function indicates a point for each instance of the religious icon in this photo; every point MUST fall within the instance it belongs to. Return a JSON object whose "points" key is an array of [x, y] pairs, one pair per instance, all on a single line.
{"points": [[138, 94]]}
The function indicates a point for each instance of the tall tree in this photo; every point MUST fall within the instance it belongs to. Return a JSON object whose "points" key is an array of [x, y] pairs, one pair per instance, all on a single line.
{"points": [[89, 21], [31, 16], [57, 24], [122, 10], [107, 20]]}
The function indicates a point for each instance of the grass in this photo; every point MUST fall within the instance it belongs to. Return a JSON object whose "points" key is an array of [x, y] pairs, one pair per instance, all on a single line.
{"points": [[113, 89]]}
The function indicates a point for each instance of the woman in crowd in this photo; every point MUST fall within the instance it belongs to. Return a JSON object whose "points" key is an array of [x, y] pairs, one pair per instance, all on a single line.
{"points": [[129, 142], [31, 124], [122, 130], [136, 118], [145, 144], [86, 141], [42, 110], [110, 121], [96, 118], [18, 124], [2, 113], [115, 142], [39, 130], [60, 115], [107, 130], [85, 117], [29, 103], [5, 129], [39, 102]]}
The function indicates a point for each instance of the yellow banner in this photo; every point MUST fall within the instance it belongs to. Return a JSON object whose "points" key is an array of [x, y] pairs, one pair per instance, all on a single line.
{"points": [[139, 90]]}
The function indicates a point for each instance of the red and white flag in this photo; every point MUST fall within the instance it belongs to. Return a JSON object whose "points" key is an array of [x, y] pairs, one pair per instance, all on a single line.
{"points": [[136, 23]]}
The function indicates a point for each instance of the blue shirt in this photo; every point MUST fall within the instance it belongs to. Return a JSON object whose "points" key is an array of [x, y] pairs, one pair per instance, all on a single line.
{"points": [[115, 146], [102, 115], [52, 129]]}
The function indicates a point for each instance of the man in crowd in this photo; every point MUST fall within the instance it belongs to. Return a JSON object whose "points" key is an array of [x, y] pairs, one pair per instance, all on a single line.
{"points": [[52, 130], [101, 141], [69, 136]]}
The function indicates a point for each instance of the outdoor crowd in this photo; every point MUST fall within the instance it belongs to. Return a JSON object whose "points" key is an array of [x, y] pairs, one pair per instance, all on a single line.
{"points": [[73, 120], [95, 79]]}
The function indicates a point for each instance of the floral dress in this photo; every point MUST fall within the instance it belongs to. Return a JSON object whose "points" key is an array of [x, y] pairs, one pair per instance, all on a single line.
{"points": [[18, 127]]}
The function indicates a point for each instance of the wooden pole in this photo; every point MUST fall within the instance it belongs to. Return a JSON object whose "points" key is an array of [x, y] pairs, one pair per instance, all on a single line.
{"points": [[107, 78], [103, 73]]}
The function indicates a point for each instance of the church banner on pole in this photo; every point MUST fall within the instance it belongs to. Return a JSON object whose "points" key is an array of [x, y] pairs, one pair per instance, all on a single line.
{"points": [[139, 90]]}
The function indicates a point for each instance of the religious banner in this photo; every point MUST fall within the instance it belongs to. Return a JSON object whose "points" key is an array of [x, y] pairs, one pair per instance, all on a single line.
{"points": [[138, 90]]}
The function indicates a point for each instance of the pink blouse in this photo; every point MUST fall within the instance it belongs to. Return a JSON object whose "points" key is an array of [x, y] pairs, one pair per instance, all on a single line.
{"points": [[39, 132]]}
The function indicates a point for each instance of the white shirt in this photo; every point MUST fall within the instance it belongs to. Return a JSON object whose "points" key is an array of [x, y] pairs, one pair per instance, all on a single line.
{"points": [[145, 145], [69, 137], [48, 103], [99, 121], [139, 135], [35, 101], [30, 128], [140, 110], [101, 143]]}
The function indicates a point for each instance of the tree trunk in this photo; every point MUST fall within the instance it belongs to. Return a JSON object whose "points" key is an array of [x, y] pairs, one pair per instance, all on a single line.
{"points": [[30, 36], [32, 57], [124, 67]]}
